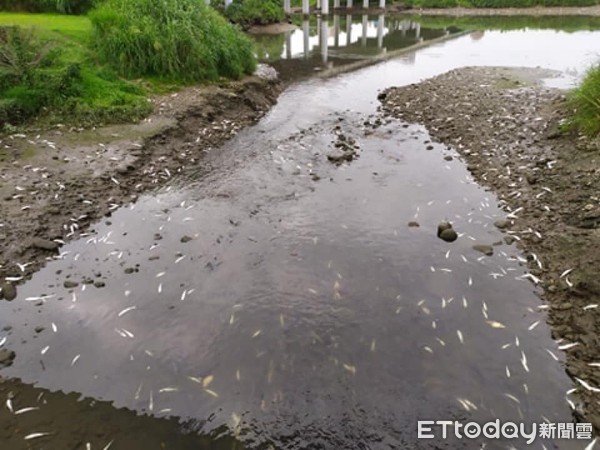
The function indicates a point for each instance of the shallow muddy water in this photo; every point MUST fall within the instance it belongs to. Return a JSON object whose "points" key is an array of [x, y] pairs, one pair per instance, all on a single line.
{"points": [[288, 299]]}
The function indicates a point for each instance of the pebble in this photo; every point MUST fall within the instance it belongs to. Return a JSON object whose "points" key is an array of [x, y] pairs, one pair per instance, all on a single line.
{"points": [[69, 284], [44, 244], [6, 357], [413, 224], [485, 249], [501, 224], [186, 238], [448, 235], [99, 284], [9, 291]]}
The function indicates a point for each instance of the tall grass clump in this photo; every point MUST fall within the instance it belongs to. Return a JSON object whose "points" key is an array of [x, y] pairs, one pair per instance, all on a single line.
{"points": [[585, 101], [183, 40], [38, 6]]}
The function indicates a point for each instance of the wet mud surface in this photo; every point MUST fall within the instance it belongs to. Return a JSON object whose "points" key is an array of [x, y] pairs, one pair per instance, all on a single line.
{"points": [[506, 127]]}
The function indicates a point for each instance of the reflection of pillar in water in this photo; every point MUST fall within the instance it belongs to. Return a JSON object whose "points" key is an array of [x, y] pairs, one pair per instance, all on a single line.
{"points": [[382, 3], [324, 38], [404, 26], [417, 30], [336, 30], [306, 35], [365, 4], [318, 4], [287, 6], [349, 4], [336, 4], [325, 7], [288, 45], [364, 30], [380, 25], [305, 7], [348, 29]]}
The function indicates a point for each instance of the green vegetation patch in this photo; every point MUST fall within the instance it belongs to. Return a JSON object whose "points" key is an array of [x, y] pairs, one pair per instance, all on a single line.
{"points": [[39, 6], [586, 102], [181, 40], [252, 12], [48, 72]]}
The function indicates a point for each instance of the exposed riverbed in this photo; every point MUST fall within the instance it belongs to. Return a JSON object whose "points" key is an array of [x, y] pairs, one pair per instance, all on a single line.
{"points": [[288, 299]]}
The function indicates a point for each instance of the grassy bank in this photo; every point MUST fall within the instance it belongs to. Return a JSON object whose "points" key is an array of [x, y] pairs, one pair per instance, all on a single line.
{"points": [[80, 70], [247, 13], [586, 103], [497, 3], [507, 23]]}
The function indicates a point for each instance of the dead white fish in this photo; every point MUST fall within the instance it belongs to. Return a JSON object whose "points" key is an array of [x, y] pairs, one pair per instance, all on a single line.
{"points": [[373, 345], [45, 349], [36, 436], [442, 343], [181, 258], [9, 405], [350, 368], [107, 446], [568, 282], [460, 336], [54, 327], [126, 310], [595, 364], [428, 349], [507, 372], [151, 401], [256, 333], [495, 324], [168, 389], [568, 346], [586, 385], [470, 281], [524, 361], [590, 446], [533, 325], [160, 288], [566, 272], [552, 354], [207, 380], [75, 359], [2, 341], [592, 306], [210, 392], [26, 410], [513, 398], [465, 302]]}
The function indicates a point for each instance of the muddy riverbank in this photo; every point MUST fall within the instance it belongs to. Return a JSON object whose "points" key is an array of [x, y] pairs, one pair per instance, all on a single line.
{"points": [[56, 183], [505, 124]]}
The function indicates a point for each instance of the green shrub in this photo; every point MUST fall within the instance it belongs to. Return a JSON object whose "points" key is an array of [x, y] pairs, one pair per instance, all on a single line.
{"points": [[586, 102], [37, 6], [174, 39], [252, 12]]}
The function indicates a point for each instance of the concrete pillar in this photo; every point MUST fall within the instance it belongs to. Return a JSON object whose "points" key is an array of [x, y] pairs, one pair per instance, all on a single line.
{"points": [[365, 4], [324, 7], [288, 45], [306, 36], [336, 30], [417, 30], [287, 6], [380, 26], [365, 18], [324, 39], [382, 3], [403, 27], [305, 7], [348, 29], [349, 4], [227, 3], [336, 4]]}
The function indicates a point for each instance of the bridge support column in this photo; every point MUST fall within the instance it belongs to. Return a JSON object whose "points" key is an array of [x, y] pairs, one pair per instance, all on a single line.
{"points": [[348, 29], [324, 7], [287, 6], [364, 30], [305, 7], [227, 3], [324, 39], [382, 3], [365, 4], [336, 30], [336, 4], [380, 26], [306, 35], [349, 4], [288, 45], [417, 30]]}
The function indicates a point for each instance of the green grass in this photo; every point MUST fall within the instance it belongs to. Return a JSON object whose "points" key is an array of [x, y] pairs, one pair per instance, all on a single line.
{"points": [[252, 12], [585, 101], [182, 40], [68, 85]]}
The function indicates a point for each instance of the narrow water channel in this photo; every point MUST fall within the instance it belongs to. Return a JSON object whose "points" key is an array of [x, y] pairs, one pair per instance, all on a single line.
{"points": [[287, 299]]}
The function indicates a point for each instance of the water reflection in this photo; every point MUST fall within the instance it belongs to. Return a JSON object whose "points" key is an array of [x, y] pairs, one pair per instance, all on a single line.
{"points": [[326, 42]]}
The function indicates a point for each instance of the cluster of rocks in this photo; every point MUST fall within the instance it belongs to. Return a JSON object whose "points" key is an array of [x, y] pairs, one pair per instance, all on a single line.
{"points": [[346, 148]]}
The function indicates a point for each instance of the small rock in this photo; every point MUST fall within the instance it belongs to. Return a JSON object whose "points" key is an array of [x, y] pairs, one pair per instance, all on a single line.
{"points": [[99, 284], [413, 224], [186, 238], [69, 284], [6, 357], [485, 249], [44, 244], [509, 239], [39, 329], [429, 147], [9, 291], [448, 235], [443, 226], [448, 158], [129, 270], [502, 224]]}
